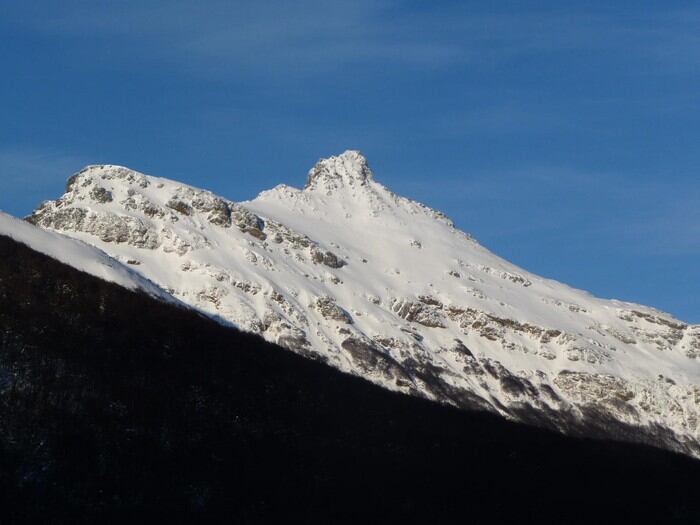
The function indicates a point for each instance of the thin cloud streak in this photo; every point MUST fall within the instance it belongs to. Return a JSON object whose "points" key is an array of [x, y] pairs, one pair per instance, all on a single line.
{"points": [[306, 38]]}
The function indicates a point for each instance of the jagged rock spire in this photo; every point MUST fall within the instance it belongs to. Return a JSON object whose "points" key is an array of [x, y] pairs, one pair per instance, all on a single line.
{"points": [[347, 169]]}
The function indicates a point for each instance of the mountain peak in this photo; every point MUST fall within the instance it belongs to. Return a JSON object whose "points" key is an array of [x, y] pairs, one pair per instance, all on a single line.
{"points": [[97, 174], [388, 289], [347, 169]]}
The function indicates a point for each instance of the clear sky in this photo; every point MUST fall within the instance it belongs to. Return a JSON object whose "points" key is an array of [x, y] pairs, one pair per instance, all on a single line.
{"points": [[563, 135]]}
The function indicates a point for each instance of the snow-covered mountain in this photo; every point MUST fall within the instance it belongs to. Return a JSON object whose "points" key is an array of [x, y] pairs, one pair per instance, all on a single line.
{"points": [[385, 288]]}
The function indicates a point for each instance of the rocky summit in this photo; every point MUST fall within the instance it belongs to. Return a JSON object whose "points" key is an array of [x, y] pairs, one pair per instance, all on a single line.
{"points": [[377, 285]]}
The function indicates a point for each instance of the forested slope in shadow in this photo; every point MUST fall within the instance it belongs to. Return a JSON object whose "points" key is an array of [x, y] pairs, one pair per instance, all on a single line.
{"points": [[114, 406]]}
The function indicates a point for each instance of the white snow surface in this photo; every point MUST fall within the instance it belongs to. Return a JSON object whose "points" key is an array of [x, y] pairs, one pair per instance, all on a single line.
{"points": [[386, 288], [79, 255]]}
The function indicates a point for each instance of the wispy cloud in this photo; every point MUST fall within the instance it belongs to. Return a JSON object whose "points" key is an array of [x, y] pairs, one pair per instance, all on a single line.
{"points": [[220, 38], [309, 37]]}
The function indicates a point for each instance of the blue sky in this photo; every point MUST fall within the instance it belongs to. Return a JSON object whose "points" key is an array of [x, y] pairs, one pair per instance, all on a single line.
{"points": [[563, 135]]}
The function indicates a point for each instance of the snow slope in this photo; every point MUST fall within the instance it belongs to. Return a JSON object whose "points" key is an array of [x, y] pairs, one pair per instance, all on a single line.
{"points": [[79, 255], [386, 288]]}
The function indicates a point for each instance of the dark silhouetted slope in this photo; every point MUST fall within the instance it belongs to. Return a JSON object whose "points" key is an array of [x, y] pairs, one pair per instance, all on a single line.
{"points": [[114, 406]]}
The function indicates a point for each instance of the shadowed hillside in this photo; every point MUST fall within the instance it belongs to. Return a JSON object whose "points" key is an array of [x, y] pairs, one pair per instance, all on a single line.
{"points": [[113, 405]]}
